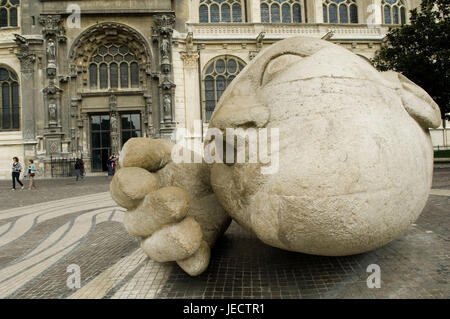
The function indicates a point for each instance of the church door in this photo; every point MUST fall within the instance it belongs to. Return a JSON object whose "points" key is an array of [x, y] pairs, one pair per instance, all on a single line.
{"points": [[100, 142]]}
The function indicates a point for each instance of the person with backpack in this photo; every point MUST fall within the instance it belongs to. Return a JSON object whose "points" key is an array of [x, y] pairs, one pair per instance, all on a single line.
{"points": [[31, 172], [111, 165], [16, 170]]}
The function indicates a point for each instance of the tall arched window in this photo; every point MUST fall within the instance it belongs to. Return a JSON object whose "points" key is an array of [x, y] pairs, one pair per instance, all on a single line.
{"points": [[8, 13], [394, 12], [340, 11], [9, 99], [113, 66], [218, 75], [281, 11], [213, 11]]}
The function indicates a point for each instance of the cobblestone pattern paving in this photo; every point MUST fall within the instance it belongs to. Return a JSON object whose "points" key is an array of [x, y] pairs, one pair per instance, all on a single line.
{"points": [[59, 189], [38, 242], [19, 247], [441, 177], [243, 267], [96, 254]]}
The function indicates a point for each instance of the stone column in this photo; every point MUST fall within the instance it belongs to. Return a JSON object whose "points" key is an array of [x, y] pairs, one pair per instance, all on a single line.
{"points": [[84, 127], [254, 13], [191, 90], [315, 12], [370, 13], [27, 84], [193, 11]]}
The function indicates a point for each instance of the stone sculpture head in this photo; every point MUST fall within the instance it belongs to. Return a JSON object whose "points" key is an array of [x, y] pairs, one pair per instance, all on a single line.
{"points": [[355, 162], [355, 153]]}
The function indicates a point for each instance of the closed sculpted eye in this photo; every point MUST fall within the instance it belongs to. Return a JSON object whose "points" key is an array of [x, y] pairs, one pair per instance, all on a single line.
{"points": [[240, 105], [279, 64]]}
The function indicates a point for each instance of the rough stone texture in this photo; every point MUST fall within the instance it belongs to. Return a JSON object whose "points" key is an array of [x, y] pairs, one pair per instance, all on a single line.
{"points": [[112, 265], [355, 156], [182, 219], [152, 155], [125, 189], [355, 161]]}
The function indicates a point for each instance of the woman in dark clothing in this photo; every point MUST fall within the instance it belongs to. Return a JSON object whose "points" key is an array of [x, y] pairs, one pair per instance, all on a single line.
{"points": [[79, 168], [16, 169], [111, 164]]}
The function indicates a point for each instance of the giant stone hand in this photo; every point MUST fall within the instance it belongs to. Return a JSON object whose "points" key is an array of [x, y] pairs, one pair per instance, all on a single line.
{"points": [[170, 206]]}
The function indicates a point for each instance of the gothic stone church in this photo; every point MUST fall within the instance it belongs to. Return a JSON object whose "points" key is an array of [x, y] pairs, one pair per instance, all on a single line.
{"points": [[79, 78]]}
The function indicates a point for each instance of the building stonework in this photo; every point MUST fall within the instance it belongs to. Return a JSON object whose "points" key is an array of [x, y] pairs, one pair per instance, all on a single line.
{"points": [[121, 69]]}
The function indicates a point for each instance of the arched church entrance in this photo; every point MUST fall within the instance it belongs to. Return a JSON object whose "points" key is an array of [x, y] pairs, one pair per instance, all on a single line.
{"points": [[112, 91]]}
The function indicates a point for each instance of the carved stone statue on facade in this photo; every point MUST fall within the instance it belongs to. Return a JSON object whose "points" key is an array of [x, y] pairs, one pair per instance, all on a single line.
{"points": [[165, 47], [114, 125], [51, 61], [113, 102], [190, 42], [114, 122], [165, 52], [167, 107], [51, 50], [52, 112]]}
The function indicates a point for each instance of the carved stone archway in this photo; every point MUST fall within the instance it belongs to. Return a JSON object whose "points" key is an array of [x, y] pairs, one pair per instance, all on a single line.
{"points": [[79, 59], [85, 44]]}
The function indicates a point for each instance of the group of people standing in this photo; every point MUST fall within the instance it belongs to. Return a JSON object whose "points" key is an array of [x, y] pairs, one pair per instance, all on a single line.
{"points": [[31, 171], [80, 172], [17, 170]]}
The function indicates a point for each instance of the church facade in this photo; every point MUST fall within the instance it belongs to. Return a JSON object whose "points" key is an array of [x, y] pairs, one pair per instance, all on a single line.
{"points": [[79, 78]]}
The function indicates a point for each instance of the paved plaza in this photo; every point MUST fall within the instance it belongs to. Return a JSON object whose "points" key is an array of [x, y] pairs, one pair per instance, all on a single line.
{"points": [[65, 223]]}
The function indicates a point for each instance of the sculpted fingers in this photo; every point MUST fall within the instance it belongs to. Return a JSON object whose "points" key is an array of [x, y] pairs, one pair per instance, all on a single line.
{"points": [[150, 154], [170, 206], [165, 206], [198, 262], [174, 242], [130, 185], [175, 230]]}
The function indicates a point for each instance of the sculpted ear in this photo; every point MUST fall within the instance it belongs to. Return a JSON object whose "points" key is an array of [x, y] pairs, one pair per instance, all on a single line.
{"points": [[416, 101]]}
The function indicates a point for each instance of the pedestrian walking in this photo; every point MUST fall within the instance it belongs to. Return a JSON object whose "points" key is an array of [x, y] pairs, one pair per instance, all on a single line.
{"points": [[111, 163], [16, 170], [31, 172], [83, 172], [79, 169]]}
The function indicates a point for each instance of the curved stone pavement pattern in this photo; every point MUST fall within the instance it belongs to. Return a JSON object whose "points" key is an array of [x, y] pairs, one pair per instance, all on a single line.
{"points": [[242, 267], [96, 209]]}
